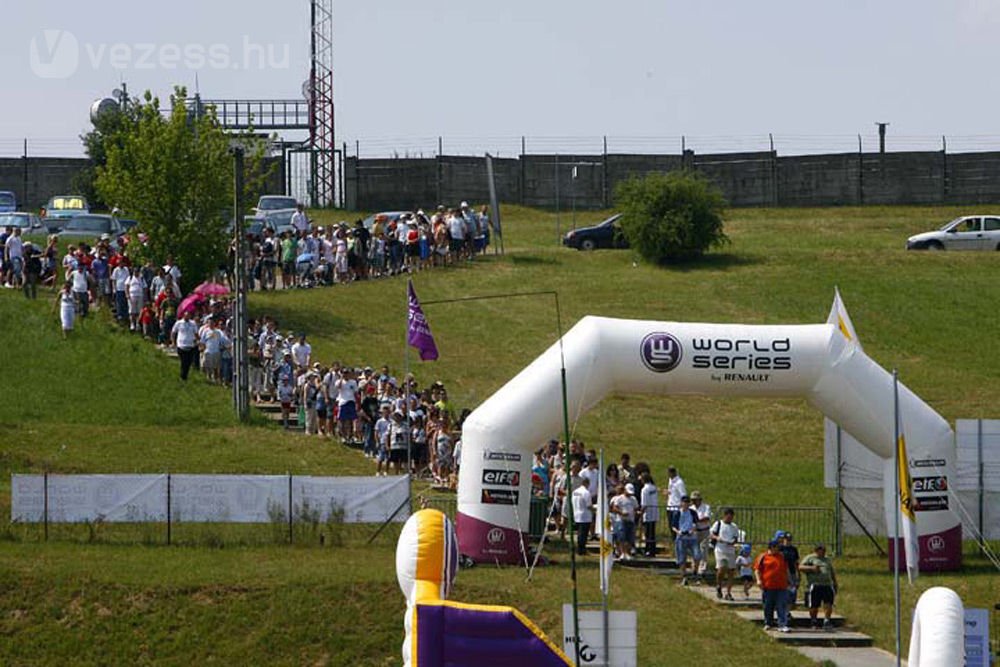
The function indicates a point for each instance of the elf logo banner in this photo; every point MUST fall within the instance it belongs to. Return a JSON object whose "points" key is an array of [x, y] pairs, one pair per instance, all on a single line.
{"points": [[501, 477]]}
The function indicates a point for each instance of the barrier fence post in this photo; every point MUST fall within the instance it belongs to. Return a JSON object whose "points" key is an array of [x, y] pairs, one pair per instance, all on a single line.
{"points": [[981, 480], [169, 503], [290, 537], [45, 504]]}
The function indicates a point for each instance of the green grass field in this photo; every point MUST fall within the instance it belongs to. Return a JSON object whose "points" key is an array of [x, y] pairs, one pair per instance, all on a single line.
{"points": [[106, 402]]}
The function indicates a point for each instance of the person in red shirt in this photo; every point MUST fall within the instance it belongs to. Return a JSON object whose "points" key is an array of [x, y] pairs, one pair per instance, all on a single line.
{"points": [[771, 572]]}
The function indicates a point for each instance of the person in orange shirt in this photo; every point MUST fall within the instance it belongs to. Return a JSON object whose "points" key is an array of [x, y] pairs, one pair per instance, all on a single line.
{"points": [[771, 572]]}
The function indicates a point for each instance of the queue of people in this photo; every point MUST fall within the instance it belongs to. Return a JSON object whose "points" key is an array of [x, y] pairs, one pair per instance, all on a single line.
{"points": [[693, 536], [310, 255]]}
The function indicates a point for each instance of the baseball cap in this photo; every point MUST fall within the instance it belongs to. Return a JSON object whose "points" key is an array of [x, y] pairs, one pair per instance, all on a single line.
{"points": [[696, 495], [685, 499], [778, 534], [773, 543], [630, 488]]}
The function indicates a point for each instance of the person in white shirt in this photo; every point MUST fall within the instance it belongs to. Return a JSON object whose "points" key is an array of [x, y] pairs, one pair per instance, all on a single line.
{"points": [[582, 514], [119, 278], [135, 288], [184, 337], [80, 277], [625, 506], [592, 473], [726, 535], [676, 489], [173, 270], [704, 512], [302, 354], [14, 257], [649, 499], [382, 428], [300, 221], [211, 345], [347, 405]]}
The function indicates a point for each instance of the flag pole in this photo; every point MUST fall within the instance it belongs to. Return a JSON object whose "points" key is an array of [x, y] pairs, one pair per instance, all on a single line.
{"points": [[406, 388], [895, 476], [605, 575]]}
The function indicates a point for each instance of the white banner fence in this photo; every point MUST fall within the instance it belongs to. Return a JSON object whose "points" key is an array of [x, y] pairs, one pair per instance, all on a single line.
{"points": [[169, 498]]}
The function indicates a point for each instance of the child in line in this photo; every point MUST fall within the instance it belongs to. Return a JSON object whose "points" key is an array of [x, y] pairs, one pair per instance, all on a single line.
{"points": [[745, 565], [285, 394]]}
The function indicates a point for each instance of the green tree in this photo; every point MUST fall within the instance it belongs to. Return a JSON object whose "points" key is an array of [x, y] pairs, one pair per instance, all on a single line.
{"points": [[173, 173], [671, 217]]}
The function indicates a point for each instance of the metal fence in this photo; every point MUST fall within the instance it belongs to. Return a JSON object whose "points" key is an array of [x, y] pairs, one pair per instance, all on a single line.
{"points": [[808, 525]]}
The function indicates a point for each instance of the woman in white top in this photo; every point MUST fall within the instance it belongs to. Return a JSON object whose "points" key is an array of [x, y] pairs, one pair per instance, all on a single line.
{"points": [[135, 287], [649, 505], [66, 303]]}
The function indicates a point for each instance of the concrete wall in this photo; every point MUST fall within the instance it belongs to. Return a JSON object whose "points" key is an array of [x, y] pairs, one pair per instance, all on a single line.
{"points": [[37, 179], [746, 179]]}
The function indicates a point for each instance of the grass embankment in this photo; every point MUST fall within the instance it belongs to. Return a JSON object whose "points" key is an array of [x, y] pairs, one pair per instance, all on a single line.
{"points": [[105, 402]]}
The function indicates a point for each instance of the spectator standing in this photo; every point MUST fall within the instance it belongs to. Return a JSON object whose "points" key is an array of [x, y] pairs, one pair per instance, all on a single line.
{"points": [[135, 288], [821, 585], [302, 354], [80, 277], [347, 405], [675, 490], [119, 278], [184, 337], [286, 393], [582, 514], [686, 538], [32, 272], [592, 474], [771, 575], [626, 472], [704, 512], [14, 257], [300, 221], [649, 500], [725, 534], [211, 346], [66, 303], [625, 506], [791, 554]]}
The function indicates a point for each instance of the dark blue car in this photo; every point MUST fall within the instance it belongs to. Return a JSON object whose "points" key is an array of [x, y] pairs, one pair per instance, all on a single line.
{"points": [[607, 234]]}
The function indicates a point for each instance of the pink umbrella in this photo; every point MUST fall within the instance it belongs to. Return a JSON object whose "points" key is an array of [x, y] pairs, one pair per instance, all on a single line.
{"points": [[189, 303], [211, 289]]}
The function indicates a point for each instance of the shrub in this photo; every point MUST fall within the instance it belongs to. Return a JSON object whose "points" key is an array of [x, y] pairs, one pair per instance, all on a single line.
{"points": [[672, 217]]}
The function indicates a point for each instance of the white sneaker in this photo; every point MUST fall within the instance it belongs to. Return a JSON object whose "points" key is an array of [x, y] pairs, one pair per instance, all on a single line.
{"points": [[784, 628]]}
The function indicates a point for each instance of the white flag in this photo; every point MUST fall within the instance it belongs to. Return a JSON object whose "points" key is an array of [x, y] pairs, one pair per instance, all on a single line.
{"points": [[607, 557], [840, 319]]}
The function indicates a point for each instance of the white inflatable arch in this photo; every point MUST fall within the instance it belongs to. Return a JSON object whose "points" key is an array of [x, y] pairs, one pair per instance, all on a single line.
{"points": [[821, 362]]}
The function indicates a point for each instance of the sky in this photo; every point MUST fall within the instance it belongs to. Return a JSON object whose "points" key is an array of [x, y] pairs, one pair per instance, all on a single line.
{"points": [[723, 73]]}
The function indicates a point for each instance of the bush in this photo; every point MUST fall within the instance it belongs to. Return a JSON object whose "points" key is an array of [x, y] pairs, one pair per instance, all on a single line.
{"points": [[672, 217]]}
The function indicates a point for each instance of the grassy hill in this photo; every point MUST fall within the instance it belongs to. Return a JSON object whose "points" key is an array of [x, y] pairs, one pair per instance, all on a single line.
{"points": [[106, 402]]}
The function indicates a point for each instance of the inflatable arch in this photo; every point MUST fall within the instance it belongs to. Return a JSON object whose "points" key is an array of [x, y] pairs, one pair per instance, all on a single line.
{"points": [[938, 635], [823, 363]]}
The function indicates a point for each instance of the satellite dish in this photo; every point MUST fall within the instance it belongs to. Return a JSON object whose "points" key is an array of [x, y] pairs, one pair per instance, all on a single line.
{"points": [[103, 108], [307, 90]]}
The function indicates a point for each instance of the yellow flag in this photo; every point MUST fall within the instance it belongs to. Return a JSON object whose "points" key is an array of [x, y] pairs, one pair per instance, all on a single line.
{"points": [[907, 515]]}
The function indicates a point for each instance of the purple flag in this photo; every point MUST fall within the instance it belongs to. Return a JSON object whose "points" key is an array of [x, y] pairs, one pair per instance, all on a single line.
{"points": [[418, 331]]}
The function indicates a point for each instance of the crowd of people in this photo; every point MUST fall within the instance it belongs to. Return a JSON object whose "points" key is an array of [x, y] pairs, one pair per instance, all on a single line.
{"points": [[636, 507], [310, 255]]}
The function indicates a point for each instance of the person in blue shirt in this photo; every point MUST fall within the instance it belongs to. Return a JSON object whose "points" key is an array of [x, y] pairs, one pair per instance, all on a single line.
{"points": [[683, 523]]}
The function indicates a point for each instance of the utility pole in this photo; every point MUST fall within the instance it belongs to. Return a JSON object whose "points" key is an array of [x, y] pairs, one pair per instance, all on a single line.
{"points": [[881, 137], [241, 383]]}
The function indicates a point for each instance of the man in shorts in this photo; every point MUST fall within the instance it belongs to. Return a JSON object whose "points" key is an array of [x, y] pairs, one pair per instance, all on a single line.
{"points": [[686, 542], [725, 534], [821, 585]]}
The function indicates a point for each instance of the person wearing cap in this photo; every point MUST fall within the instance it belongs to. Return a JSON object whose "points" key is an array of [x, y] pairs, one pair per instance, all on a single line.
{"points": [[771, 575], [686, 539], [625, 506], [383, 427], [346, 387], [821, 586], [791, 554], [704, 512]]}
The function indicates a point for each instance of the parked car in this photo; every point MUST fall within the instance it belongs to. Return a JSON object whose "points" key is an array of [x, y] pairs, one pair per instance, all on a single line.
{"points": [[970, 232], [62, 208], [270, 203], [127, 225], [252, 227], [8, 201], [280, 220], [91, 226], [29, 223], [607, 234], [391, 216]]}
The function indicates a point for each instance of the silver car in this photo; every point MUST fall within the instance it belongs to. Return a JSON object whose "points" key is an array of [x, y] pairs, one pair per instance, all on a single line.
{"points": [[91, 226], [970, 232], [28, 223]]}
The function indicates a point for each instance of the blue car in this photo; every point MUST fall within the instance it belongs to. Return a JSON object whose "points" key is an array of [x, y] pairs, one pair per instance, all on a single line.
{"points": [[604, 235], [8, 201]]}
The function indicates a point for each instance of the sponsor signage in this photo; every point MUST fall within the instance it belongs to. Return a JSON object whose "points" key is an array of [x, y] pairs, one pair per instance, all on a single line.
{"points": [[927, 463], [729, 359], [932, 503], [500, 496], [501, 477], [977, 638], [622, 648], [925, 484], [501, 456]]}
